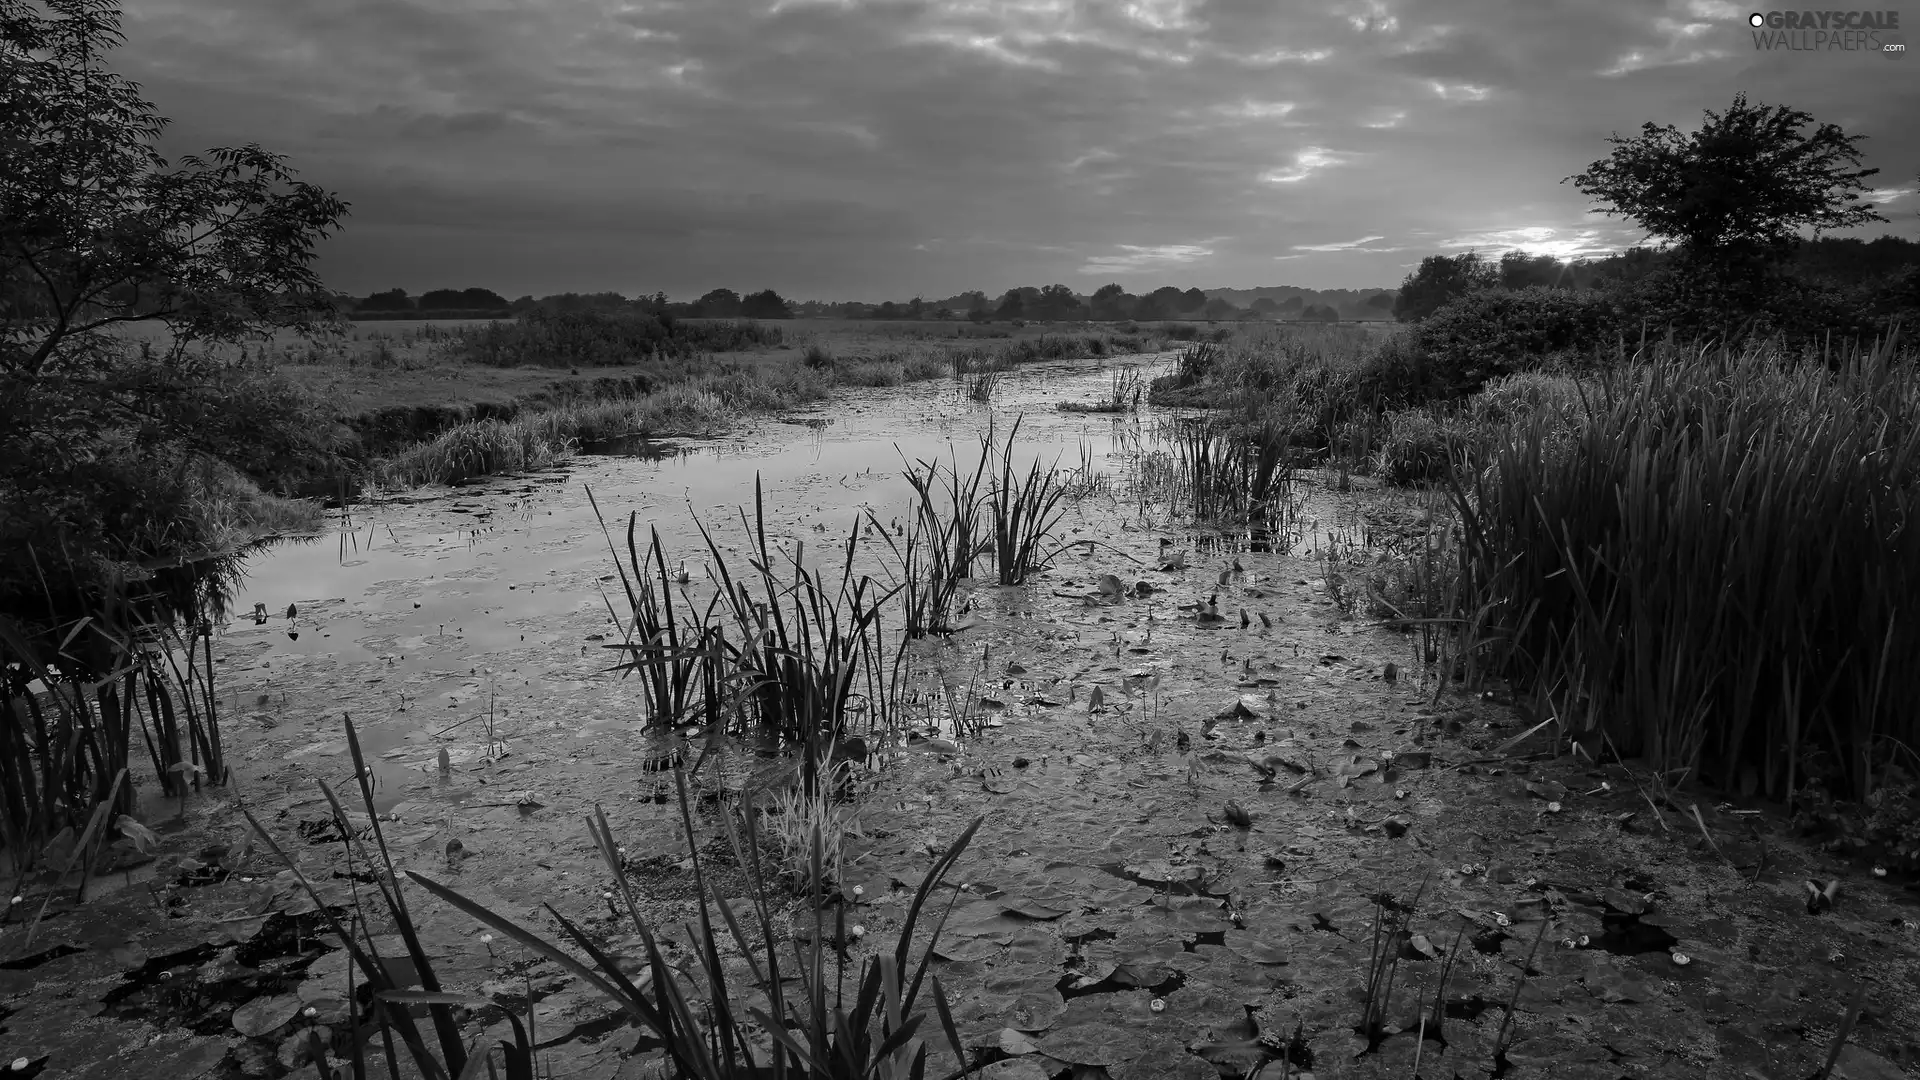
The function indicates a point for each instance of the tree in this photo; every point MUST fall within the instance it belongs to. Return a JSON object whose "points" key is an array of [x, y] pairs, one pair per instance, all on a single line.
{"points": [[1109, 303], [718, 304], [101, 445], [1012, 306], [391, 300], [1192, 300], [1265, 307], [766, 304], [1220, 308], [1378, 303], [1519, 270], [1439, 279], [96, 229], [1745, 183]]}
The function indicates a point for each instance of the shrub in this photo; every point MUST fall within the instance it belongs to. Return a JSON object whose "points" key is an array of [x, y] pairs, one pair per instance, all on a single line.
{"points": [[1493, 332]]}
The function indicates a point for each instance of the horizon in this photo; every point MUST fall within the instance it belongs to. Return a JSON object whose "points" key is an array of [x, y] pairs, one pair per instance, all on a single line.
{"points": [[888, 148]]}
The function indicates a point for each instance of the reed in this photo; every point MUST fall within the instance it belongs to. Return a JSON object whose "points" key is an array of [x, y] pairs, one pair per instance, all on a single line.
{"points": [[391, 1003], [939, 543], [1711, 567], [703, 1024], [1022, 511], [74, 696]]}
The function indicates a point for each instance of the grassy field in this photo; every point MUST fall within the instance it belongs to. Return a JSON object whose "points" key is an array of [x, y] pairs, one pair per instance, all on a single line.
{"points": [[388, 365]]}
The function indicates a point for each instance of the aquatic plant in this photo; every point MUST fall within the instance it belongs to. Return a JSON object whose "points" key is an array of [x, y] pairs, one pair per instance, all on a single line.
{"points": [[938, 544], [1711, 569], [677, 659], [391, 1002], [73, 697], [703, 1025], [1022, 511]]}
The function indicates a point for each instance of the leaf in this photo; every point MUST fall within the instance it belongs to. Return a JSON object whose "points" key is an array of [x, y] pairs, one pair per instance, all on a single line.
{"points": [[1093, 1044], [1259, 951], [264, 1014], [142, 838], [959, 950], [1030, 909]]}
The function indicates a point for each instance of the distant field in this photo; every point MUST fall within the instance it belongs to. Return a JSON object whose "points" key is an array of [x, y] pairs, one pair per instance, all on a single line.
{"points": [[380, 364]]}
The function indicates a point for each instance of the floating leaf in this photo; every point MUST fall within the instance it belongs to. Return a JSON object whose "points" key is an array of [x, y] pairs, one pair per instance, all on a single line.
{"points": [[1093, 1044], [264, 1014], [1259, 951]]}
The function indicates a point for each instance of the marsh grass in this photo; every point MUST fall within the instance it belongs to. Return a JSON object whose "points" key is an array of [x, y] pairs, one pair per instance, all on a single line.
{"points": [[1022, 511], [780, 648], [937, 547], [73, 699], [1710, 565], [391, 1003], [705, 397], [706, 1025], [1220, 475]]}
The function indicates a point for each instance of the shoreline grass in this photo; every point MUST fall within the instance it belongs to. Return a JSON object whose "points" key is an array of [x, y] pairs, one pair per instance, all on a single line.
{"points": [[712, 401]]}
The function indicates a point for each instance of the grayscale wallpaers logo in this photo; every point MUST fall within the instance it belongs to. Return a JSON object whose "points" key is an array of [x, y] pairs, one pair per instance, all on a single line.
{"points": [[1864, 32]]}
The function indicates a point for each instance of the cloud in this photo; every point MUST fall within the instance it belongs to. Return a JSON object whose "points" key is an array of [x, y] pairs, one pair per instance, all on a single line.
{"points": [[1562, 244], [1361, 244], [1306, 162], [1883, 196], [1134, 258], [810, 145]]}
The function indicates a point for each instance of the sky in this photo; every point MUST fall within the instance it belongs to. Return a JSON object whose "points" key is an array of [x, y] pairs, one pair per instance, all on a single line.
{"points": [[879, 149]]}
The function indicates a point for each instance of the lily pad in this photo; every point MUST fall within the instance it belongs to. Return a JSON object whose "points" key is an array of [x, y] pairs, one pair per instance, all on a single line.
{"points": [[264, 1014], [1093, 1044]]}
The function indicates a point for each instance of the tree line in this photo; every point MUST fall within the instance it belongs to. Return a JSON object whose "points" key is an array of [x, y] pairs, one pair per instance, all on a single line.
{"points": [[1053, 303]]}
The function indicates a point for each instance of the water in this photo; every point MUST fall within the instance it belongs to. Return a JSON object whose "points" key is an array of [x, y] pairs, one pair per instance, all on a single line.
{"points": [[437, 594]]}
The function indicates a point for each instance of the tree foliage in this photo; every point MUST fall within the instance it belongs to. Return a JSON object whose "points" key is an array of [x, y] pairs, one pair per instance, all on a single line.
{"points": [[765, 304], [111, 455], [1750, 179], [1439, 279], [96, 228]]}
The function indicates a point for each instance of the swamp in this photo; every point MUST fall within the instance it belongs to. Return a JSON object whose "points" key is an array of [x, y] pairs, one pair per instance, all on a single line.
{"points": [[1118, 725]]}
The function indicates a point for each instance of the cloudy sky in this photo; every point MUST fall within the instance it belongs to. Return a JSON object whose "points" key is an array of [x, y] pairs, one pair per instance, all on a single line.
{"points": [[875, 149]]}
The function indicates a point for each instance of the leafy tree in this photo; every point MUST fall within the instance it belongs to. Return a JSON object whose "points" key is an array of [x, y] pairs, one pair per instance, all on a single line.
{"points": [[1519, 270], [96, 229], [110, 456], [1744, 184], [1192, 300], [1220, 308], [1012, 306], [1381, 302], [766, 304], [1265, 307], [718, 304], [887, 310], [1110, 304], [1439, 279], [461, 300], [391, 300]]}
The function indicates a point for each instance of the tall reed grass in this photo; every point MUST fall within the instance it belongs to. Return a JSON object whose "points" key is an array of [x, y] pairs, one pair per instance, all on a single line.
{"points": [[780, 648], [75, 697], [1716, 567]]}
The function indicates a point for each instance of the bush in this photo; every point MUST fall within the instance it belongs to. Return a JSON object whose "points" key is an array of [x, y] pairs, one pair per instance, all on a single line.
{"points": [[1397, 374], [1493, 332]]}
